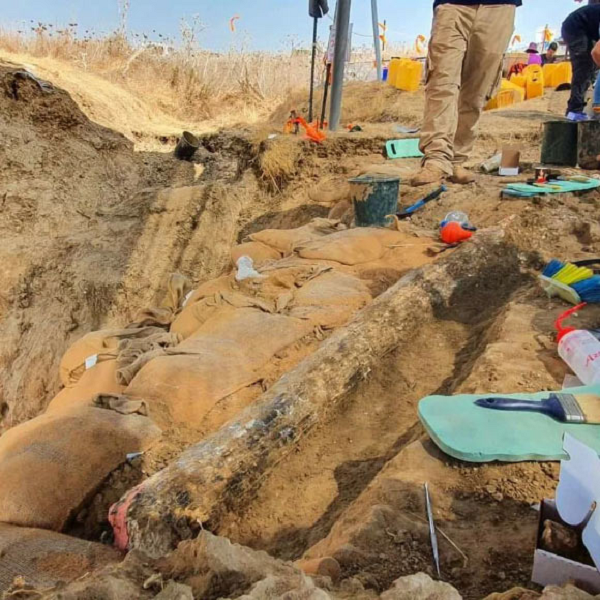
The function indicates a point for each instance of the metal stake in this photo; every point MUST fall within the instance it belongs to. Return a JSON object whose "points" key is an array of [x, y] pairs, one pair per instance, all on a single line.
{"points": [[342, 27], [312, 70], [376, 40], [432, 533]]}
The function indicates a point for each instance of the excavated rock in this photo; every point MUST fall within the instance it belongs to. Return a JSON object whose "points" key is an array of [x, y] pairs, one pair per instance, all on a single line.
{"points": [[175, 591], [214, 567], [420, 587]]}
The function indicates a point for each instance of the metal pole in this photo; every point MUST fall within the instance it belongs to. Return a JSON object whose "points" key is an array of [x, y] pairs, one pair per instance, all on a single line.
{"points": [[312, 70], [376, 40], [342, 26], [325, 91]]}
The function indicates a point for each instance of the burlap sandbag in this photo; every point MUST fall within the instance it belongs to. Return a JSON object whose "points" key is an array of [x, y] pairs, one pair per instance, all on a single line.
{"points": [[101, 379], [225, 355], [95, 348], [50, 465], [258, 334], [286, 240], [210, 288], [200, 305], [178, 288], [330, 191], [352, 247], [330, 300], [221, 303], [188, 386], [44, 558], [195, 315], [257, 251], [134, 354]]}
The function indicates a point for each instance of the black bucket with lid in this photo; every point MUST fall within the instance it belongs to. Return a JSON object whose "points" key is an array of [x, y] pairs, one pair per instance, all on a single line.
{"points": [[375, 198], [187, 146], [559, 145]]}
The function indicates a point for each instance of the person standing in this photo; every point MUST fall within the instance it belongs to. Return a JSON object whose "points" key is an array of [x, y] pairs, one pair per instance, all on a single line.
{"points": [[581, 32], [466, 51]]}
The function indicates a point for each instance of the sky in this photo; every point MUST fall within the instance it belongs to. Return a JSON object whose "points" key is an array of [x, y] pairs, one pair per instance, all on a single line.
{"points": [[263, 24]]}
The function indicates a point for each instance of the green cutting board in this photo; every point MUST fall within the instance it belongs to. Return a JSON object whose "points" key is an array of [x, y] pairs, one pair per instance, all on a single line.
{"points": [[406, 148], [525, 190], [475, 434]]}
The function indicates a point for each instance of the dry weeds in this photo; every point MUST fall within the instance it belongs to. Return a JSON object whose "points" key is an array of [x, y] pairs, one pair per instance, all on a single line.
{"points": [[277, 158], [181, 80]]}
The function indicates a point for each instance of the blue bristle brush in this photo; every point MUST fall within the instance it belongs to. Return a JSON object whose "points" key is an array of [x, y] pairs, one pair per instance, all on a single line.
{"points": [[552, 268], [589, 289]]}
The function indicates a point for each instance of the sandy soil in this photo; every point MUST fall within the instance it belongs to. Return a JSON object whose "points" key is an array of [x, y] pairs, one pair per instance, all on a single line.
{"points": [[92, 228]]}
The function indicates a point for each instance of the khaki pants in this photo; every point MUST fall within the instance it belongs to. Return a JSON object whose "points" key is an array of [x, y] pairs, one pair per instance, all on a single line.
{"points": [[464, 69]]}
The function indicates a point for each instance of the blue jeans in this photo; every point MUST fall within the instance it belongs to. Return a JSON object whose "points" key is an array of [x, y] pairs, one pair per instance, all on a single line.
{"points": [[597, 91]]}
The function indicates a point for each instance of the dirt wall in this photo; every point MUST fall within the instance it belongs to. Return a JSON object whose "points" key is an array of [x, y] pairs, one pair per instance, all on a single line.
{"points": [[70, 218]]}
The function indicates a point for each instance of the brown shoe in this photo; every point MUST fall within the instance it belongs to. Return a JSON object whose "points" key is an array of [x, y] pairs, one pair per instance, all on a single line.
{"points": [[427, 175], [462, 176]]}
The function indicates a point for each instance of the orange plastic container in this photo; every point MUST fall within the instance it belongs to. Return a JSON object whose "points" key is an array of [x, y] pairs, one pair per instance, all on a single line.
{"points": [[409, 75], [535, 81]]}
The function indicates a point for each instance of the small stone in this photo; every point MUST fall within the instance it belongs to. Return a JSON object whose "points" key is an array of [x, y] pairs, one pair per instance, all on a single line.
{"points": [[420, 587]]}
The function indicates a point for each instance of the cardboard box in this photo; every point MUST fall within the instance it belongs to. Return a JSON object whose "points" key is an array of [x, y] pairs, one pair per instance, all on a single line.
{"points": [[551, 569], [577, 507], [511, 161]]}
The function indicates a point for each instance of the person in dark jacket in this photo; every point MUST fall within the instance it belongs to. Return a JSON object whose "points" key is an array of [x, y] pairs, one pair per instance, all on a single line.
{"points": [[581, 32]]}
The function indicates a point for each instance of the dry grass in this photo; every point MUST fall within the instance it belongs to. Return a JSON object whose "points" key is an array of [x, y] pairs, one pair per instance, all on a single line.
{"points": [[277, 158], [181, 80], [180, 84], [362, 103]]}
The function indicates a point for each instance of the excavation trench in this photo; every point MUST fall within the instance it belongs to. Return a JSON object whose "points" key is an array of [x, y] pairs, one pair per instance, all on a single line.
{"points": [[223, 473], [302, 470]]}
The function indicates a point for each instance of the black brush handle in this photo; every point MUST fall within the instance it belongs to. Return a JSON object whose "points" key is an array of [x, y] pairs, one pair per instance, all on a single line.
{"points": [[546, 407]]}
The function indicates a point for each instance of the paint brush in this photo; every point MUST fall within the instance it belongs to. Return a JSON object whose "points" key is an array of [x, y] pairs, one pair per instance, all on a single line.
{"points": [[567, 408]]}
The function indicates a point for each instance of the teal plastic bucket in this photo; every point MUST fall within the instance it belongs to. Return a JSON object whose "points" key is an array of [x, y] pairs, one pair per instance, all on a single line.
{"points": [[375, 197]]}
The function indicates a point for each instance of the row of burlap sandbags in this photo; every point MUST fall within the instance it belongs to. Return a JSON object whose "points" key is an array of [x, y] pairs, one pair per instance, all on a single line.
{"points": [[309, 279], [321, 240], [52, 464], [237, 328], [223, 334], [377, 256]]}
